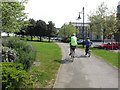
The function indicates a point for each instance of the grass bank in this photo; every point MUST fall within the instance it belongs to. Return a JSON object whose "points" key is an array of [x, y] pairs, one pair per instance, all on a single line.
{"points": [[110, 57], [49, 56]]}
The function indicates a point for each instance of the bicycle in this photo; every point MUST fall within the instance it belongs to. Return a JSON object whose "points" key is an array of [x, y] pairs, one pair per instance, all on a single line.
{"points": [[73, 55], [89, 53]]}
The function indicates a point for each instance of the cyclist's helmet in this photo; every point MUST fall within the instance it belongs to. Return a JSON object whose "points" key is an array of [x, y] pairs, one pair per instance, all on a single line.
{"points": [[73, 34], [88, 39]]}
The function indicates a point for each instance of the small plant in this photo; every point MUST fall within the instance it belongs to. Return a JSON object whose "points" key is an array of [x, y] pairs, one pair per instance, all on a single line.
{"points": [[26, 54], [8, 54]]}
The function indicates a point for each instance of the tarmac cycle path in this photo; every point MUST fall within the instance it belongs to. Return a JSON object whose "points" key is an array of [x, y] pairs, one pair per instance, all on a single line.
{"points": [[84, 72]]}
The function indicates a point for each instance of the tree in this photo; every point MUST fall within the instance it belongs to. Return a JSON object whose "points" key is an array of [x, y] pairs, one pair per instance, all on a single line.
{"points": [[23, 30], [13, 16], [67, 30], [51, 30], [111, 26], [31, 28], [40, 29], [103, 22]]}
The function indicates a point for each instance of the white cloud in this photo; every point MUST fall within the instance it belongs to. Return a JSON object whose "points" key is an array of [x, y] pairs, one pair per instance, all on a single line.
{"points": [[62, 11]]}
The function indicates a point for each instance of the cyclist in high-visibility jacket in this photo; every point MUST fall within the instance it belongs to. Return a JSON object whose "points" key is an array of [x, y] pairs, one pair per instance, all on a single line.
{"points": [[73, 43]]}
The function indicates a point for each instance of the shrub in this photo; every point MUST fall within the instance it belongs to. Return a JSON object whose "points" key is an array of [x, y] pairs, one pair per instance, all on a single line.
{"points": [[65, 39], [14, 76], [8, 54], [26, 53]]}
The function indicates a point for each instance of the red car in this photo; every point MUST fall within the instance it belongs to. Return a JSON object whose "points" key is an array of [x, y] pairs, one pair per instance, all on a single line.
{"points": [[109, 45]]}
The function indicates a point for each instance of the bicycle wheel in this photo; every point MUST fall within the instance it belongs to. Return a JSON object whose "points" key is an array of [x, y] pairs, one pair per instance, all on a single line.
{"points": [[72, 56], [89, 54]]}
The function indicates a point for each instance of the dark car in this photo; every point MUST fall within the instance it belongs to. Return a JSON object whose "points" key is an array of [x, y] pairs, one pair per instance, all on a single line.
{"points": [[109, 45]]}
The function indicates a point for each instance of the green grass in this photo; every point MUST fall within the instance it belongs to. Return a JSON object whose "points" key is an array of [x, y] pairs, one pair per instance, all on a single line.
{"points": [[107, 56], [35, 38], [49, 56]]}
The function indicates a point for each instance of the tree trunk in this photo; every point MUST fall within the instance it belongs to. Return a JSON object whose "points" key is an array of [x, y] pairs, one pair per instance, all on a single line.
{"points": [[103, 35], [40, 38], [0, 35], [8, 34], [31, 38], [103, 38], [49, 39]]}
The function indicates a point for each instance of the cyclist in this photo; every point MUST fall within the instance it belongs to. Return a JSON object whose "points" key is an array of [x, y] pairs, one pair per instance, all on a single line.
{"points": [[73, 43], [88, 44]]}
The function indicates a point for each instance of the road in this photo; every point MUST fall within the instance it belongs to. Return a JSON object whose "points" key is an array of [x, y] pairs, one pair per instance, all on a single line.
{"points": [[85, 72]]}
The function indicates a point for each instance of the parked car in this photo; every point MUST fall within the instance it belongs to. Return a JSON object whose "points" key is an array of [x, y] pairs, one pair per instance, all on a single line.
{"points": [[109, 45], [59, 38], [51, 38], [80, 41]]}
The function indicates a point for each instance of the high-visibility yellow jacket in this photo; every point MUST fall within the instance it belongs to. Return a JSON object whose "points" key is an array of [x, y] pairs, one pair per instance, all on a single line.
{"points": [[73, 41]]}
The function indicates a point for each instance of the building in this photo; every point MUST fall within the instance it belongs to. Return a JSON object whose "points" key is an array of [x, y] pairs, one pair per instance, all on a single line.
{"points": [[87, 32], [117, 35]]}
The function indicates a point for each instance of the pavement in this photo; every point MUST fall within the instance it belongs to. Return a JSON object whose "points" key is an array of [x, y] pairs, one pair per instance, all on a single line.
{"points": [[85, 72]]}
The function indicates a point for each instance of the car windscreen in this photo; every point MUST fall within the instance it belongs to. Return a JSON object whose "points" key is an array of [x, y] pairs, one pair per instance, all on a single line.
{"points": [[105, 43]]}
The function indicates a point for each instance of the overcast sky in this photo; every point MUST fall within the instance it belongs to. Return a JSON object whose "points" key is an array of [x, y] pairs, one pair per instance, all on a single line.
{"points": [[64, 11]]}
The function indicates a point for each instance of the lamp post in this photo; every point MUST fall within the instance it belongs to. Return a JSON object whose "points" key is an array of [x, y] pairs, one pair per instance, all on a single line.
{"points": [[76, 29], [64, 30], [83, 24]]}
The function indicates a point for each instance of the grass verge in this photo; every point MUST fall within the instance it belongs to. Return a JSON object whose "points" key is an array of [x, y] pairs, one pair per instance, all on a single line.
{"points": [[49, 56]]}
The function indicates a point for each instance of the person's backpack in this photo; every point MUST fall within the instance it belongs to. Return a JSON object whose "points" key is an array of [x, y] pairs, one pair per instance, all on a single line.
{"points": [[88, 43]]}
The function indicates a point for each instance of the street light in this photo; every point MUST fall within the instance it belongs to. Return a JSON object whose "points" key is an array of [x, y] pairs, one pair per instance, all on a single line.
{"points": [[76, 29], [83, 24]]}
